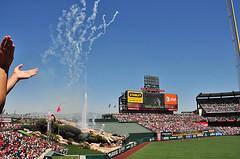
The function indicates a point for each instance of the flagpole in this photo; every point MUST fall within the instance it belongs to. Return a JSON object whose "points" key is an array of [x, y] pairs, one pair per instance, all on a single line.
{"points": [[58, 122], [58, 114]]}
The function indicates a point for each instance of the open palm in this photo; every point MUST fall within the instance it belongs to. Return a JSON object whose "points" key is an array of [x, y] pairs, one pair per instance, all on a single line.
{"points": [[24, 74]]}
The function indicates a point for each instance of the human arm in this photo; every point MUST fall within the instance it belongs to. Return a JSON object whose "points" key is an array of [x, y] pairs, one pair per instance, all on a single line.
{"points": [[3, 88], [19, 74]]}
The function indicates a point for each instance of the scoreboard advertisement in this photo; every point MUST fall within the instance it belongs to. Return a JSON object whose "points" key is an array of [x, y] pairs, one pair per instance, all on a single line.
{"points": [[137, 100], [134, 97], [134, 106], [171, 101]]}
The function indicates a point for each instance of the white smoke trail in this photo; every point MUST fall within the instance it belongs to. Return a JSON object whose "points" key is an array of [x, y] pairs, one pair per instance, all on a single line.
{"points": [[75, 34]]}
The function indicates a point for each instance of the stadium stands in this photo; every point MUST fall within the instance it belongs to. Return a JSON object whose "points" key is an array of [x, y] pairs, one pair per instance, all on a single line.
{"points": [[227, 130], [227, 102], [223, 118], [164, 122], [220, 105], [16, 145], [174, 122]]}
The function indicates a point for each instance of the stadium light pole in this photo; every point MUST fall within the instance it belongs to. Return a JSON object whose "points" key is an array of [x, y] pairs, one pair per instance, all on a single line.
{"points": [[235, 36]]}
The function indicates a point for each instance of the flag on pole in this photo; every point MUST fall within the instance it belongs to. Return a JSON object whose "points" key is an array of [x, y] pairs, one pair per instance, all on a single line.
{"points": [[58, 109]]}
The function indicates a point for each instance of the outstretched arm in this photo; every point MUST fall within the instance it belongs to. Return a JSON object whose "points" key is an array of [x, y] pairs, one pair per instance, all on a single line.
{"points": [[3, 88], [19, 74], [6, 57]]}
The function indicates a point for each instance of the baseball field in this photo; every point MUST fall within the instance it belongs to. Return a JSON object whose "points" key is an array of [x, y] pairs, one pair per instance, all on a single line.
{"points": [[227, 147]]}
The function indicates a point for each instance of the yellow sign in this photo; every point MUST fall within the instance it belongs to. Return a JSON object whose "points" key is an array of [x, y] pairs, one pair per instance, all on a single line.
{"points": [[135, 97]]}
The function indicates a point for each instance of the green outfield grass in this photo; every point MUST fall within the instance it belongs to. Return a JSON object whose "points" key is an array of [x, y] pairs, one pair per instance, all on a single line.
{"points": [[76, 150], [227, 147]]}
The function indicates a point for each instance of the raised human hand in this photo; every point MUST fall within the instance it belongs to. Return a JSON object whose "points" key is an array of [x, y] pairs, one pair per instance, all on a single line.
{"points": [[6, 53], [24, 74]]}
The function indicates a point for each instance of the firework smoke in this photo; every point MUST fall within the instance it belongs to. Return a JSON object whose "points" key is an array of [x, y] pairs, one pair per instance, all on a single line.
{"points": [[76, 31]]}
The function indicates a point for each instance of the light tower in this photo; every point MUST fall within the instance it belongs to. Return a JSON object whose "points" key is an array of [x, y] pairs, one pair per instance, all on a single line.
{"points": [[235, 36]]}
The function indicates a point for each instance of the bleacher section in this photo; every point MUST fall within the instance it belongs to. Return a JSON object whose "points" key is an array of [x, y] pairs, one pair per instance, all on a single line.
{"points": [[223, 119], [221, 105], [228, 102], [164, 122], [19, 145], [220, 109]]}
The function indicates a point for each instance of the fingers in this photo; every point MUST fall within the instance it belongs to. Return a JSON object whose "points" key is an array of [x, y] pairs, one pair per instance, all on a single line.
{"points": [[34, 71], [7, 53], [11, 48], [5, 40], [8, 47], [19, 66]]}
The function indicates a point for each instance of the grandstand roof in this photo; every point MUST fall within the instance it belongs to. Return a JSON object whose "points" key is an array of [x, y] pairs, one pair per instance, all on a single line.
{"points": [[219, 95]]}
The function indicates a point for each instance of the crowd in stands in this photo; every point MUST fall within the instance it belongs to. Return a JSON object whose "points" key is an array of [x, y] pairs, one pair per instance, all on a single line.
{"points": [[220, 106], [223, 119], [8, 126], [17, 145], [227, 130], [173, 122], [165, 122]]}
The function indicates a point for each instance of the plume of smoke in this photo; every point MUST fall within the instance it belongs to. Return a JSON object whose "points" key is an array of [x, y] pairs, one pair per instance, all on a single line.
{"points": [[76, 31]]}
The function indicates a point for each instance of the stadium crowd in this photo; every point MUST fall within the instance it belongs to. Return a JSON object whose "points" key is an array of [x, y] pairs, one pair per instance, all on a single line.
{"points": [[227, 130], [173, 122], [216, 106], [8, 126], [17, 145], [164, 122], [223, 119]]}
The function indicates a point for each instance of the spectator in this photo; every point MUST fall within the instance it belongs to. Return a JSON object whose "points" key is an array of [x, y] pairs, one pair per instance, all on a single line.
{"points": [[16, 145], [173, 122], [220, 105], [6, 57], [165, 122]]}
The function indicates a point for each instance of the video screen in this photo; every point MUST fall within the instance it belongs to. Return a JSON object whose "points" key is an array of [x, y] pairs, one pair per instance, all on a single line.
{"points": [[153, 100]]}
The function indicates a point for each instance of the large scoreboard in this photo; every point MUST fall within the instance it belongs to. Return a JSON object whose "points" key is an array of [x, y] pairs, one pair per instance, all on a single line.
{"points": [[137, 100], [150, 99]]}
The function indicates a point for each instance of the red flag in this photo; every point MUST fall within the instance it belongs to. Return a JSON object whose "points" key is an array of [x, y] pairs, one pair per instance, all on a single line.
{"points": [[58, 109]]}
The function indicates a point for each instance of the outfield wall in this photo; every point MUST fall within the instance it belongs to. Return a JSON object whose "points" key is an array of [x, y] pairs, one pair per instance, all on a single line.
{"points": [[92, 156], [164, 136], [121, 150], [134, 139]]}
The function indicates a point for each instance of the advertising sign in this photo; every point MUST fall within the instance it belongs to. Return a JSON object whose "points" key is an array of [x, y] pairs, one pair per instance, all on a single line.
{"points": [[134, 97], [170, 99], [134, 106]]}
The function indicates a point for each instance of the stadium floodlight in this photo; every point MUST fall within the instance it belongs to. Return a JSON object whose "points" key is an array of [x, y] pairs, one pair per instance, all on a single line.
{"points": [[235, 36]]}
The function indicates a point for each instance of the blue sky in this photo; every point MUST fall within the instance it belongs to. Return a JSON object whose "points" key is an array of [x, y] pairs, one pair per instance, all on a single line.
{"points": [[186, 43]]}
